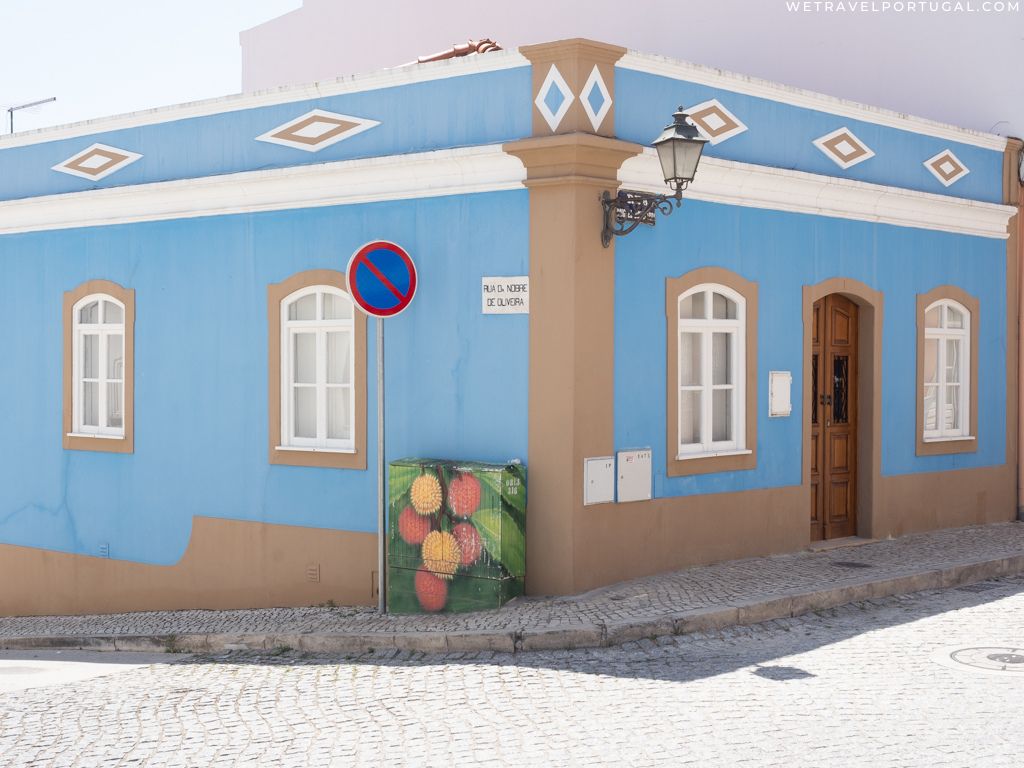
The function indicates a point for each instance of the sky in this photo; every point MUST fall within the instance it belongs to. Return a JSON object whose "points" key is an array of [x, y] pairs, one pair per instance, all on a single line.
{"points": [[105, 57]]}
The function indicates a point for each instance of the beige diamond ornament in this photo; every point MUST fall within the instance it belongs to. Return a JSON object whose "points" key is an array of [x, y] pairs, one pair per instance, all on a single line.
{"points": [[843, 148], [714, 121], [97, 162], [946, 167], [317, 129]]}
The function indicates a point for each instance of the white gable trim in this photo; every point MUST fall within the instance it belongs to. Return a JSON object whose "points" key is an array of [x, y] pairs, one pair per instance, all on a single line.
{"points": [[798, 97], [387, 78]]}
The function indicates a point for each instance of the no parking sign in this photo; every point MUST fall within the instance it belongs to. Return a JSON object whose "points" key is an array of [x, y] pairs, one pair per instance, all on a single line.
{"points": [[382, 282], [381, 278]]}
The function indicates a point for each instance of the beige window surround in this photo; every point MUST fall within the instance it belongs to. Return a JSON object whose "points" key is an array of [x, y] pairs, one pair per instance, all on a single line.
{"points": [[313, 457], [733, 460], [124, 443]]}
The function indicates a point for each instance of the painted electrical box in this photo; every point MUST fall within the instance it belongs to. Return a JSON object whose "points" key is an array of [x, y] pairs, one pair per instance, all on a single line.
{"points": [[456, 535]]}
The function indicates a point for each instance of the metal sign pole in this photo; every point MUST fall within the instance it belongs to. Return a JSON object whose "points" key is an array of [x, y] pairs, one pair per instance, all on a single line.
{"points": [[382, 605], [377, 274]]}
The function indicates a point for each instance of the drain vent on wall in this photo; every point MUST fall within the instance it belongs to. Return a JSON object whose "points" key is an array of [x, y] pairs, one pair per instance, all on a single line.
{"points": [[313, 572]]}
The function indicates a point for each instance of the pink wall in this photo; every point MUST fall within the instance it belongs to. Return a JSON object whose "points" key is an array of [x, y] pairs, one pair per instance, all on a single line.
{"points": [[960, 68]]}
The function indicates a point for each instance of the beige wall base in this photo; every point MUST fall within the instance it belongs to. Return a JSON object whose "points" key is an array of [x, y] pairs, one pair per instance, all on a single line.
{"points": [[228, 564], [623, 541], [925, 502]]}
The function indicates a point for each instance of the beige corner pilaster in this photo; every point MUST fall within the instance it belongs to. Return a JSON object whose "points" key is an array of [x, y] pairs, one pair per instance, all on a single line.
{"points": [[575, 61], [1014, 316], [572, 291]]}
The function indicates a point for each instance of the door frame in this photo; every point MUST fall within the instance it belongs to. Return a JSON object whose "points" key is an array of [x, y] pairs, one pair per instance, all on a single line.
{"points": [[869, 393]]}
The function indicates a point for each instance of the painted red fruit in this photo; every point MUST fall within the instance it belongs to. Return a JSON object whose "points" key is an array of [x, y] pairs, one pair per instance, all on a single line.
{"points": [[431, 591], [464, 495], [413, 528], [469, 542]]}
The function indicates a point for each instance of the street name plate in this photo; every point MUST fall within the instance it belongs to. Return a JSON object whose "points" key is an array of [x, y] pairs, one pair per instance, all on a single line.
{"points": [[506, 295]]}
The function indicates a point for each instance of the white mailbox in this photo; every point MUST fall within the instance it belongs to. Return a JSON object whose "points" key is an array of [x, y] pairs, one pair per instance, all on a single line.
{"points": [[599, 480], [634, 475], [780, 385]]}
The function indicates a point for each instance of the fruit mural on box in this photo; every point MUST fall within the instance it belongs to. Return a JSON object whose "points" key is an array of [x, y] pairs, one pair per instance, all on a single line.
{"points": [[456, 535]]}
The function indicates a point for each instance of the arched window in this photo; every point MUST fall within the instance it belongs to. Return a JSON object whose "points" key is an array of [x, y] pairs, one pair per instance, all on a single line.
{"points": [[711, 338], [947, 367], [317, 384], [98, 384], [98, 404], [317, 349]]}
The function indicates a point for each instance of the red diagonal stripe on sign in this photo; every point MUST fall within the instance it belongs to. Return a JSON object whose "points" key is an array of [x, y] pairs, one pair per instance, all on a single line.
{"points": [[380, 276]]}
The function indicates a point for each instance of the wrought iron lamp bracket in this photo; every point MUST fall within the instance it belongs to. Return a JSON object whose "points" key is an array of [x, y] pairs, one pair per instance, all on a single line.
{"points": [[629, 208]]}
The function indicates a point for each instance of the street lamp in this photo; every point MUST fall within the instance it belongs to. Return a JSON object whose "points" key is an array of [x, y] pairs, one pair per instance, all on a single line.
{"points": [[679, 149]]}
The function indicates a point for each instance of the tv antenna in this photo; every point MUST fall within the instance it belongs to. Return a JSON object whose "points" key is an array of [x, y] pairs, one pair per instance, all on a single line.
{"points": [[12, 110]]}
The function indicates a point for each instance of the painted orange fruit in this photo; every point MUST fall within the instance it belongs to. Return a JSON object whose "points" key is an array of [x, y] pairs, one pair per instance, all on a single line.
{"points": [[441, 554], [431, 591], [425, 494], [413, 528], [464, 495], [469, 542]]}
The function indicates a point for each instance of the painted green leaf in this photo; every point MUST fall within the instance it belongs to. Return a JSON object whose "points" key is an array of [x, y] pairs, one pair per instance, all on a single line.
{"points": [[491, 480], [402, 591], [510, 487], [466, 594], [400, 480], [502, 539], [514, 489]]}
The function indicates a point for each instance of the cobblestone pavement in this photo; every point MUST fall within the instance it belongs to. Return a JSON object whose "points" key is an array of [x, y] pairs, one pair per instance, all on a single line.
{"points": [[639, 599], [849, 686]]}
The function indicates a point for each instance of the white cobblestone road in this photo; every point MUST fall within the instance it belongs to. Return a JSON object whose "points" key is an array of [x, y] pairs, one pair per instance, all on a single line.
{"points": [[847, 687]]}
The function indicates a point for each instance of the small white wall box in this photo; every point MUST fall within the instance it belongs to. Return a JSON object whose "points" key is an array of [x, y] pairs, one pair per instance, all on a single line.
{"points": [[599, 480], [780, 384], [634, 475]]}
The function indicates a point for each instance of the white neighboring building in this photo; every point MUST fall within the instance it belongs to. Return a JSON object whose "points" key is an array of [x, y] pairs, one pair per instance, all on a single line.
{"points": [[961, 68]]}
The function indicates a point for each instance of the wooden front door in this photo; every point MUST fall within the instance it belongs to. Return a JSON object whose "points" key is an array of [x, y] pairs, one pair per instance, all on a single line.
{"points": [[833, 413]]}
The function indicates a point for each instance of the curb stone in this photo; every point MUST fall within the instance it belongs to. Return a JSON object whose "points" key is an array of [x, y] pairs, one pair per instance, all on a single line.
{"points": [[543, 638]]}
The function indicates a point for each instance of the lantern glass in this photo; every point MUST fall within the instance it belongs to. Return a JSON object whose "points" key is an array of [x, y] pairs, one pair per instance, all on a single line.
{"points": [[679, 158]]}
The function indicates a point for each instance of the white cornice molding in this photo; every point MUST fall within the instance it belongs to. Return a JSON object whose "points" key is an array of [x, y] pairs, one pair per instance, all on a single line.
{"points": [[388, 78], [426, 174], [798, 97], [489, 169], [758, 186]]}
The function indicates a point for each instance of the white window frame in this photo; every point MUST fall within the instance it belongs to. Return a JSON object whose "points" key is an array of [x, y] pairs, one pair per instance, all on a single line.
{"points": [[706, 327], [942, 334], [104, 331], [289, 328]]}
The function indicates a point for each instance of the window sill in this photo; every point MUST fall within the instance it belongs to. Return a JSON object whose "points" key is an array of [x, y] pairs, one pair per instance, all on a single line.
{"points": [[92, 435], [713, 454], [312, 449], [958, 439]]}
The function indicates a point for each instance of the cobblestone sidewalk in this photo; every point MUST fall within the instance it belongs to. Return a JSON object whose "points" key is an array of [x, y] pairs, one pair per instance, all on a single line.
{"points": [[732, 593]]}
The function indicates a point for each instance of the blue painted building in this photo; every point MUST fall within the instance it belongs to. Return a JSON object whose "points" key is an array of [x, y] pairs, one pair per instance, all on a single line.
{"points": [[821, 342]]}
